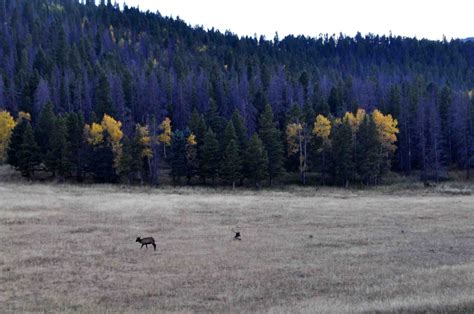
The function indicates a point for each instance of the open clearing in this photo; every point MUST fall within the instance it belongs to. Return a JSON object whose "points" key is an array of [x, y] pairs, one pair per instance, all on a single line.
{"points": [[71, 248]]}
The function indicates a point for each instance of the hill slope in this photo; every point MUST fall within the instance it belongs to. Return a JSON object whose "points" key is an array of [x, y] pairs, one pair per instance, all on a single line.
{"points": [[134, 65]]}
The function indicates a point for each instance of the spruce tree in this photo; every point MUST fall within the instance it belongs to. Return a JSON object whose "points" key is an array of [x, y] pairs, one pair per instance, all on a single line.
{"points": [[126, 160], [256, 161], [214, 120], [16, 141], [242, 137], [209, 166], [342, 158], [102, 160], [178, 156], [29, 154], [271, 139], [367, 151], [104, 100], [192, 162], [75, 143], [229, 135], [197, 125], [55, 158], [231, 165], [44, 128]]}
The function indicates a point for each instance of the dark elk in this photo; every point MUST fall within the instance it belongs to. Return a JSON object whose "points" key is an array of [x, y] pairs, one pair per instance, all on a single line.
{"points": [[146, 241]]}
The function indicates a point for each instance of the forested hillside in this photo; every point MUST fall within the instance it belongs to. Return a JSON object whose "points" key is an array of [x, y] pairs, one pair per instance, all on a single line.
{"points": [[116, 94]]}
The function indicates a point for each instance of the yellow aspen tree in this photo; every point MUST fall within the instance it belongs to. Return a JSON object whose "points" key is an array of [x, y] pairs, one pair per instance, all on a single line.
{"points": [[113, 128], [166, 135], [292, 137], [322, 129], [94, 133], [115, 134], [110, 127], [354, 121], [7, 124], [191, 140], [297, 138], [387, 128], [145, 141]]}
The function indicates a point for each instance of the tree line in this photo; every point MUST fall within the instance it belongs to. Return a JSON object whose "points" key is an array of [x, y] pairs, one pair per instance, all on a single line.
{"points": [[353, 148]]}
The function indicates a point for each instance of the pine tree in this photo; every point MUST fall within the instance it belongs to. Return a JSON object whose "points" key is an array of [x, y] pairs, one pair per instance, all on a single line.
{"points": [[256, 161], [75, 143], [126, 159], [178, 156], [342, 162], [131, 161], [214, 120], [104, 99], [192, 162], [242, 137], [240, 129], [367, 151], [16, 141], [55, 159], [44, 129], [231, 165], [28, 156], [102, 161], [271, 139], [209, 166], [229, 135], [197, 125]]}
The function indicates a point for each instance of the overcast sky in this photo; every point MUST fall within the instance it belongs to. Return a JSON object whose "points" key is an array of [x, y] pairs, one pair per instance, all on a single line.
{"points": [[420, 18]]}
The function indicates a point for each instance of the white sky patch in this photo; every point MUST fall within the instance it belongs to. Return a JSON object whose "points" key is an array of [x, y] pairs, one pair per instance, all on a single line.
{"points": [[420, 18]]}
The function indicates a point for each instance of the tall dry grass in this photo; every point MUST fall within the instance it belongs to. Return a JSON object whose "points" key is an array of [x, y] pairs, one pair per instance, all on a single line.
{"points": [[70, 248]]}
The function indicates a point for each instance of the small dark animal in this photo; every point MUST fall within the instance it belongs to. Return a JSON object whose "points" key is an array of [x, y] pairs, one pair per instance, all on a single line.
{"points": [[310, 236], [237, 236], [146, 241]]}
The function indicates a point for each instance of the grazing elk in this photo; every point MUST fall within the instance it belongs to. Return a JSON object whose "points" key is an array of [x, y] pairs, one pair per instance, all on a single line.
{"points": [[146, 241]]}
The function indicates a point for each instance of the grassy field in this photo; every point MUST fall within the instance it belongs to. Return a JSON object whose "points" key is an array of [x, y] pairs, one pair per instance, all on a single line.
{"points": [[72, 248]]}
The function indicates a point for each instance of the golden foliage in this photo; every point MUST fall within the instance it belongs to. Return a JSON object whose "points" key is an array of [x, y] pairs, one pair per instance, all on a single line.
{"points": [[113, 128], [322, 127], [354, 121], [95, 133], [191, 140], [293, 133], [166, 136], [387, 130], [145, 141], [24, 115], [7, 124]]}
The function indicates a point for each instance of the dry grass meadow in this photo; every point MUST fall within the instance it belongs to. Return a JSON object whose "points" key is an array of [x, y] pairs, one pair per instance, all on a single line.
{"points": [[69, 248]]}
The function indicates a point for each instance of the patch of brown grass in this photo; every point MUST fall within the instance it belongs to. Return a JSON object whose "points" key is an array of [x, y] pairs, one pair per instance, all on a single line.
{"points": [[72, 248]]}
